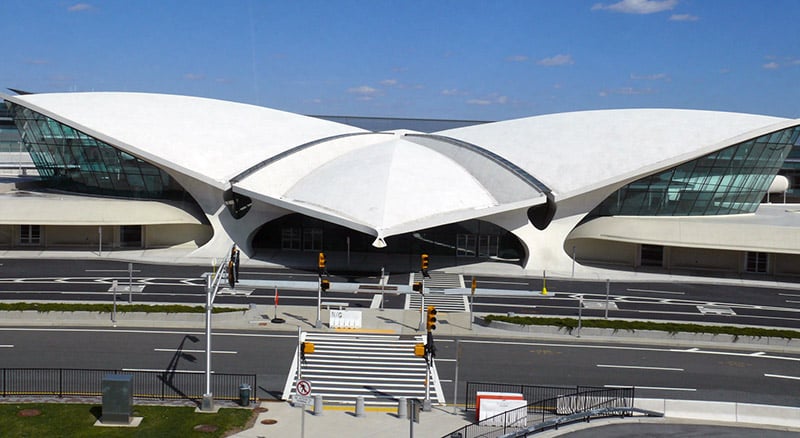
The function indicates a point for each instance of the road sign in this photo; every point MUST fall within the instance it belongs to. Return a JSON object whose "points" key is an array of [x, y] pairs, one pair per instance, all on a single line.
{"points": [[303, 400], [303, 387]]}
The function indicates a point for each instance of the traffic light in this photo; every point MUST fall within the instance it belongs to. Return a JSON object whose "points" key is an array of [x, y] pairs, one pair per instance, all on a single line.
{"points": [[305, 348], [321, 263], [424, 262], [417, 287], [419, 350], [324, 284], [431, 318]]}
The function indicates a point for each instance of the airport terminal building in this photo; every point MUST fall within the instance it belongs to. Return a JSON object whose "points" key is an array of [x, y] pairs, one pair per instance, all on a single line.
{"points": [[659, 190]]}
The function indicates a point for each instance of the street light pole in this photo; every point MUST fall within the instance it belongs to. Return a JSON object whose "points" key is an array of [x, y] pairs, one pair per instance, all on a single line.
{"points": [[212, 286], [208, 396]]}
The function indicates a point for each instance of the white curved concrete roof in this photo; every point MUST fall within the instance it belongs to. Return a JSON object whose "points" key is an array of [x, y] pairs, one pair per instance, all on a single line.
{"points": [[211, 140], [575, 152], [390, 183], [384, 184]]}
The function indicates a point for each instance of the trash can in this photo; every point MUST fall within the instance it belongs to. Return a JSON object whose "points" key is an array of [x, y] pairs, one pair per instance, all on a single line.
{"points": [[244, 394]]}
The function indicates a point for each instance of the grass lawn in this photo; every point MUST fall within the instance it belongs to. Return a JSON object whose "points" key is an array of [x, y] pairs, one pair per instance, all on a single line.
{"points": [[73, 420]]}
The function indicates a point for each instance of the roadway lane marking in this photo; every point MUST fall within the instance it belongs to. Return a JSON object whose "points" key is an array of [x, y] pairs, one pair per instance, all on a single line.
{"points": [[792, 301], [779, 376], [616, 347], [110, 270], [6, 345], [639, 367], [175, 350], [657, 388], [789, 295], [725, 353], [503, 282], [656, 291], [157, 332]]}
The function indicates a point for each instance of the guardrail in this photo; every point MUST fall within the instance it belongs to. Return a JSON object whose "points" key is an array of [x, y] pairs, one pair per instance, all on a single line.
{"points": [[162, 385], [562, 405]]}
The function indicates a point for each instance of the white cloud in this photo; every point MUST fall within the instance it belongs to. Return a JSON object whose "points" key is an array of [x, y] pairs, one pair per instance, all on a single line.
{"points": [[684, 17], [79, 7], [517, 58], [363, 89], [492, 99], [556, 61], [653, 77], [37, 61], [626, 91], [193, 76], [771, 65], [364, 92], [389, 82], [637, 6], [453, 92]]}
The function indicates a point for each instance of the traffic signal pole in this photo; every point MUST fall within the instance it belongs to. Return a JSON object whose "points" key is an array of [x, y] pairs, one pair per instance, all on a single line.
{"points": [[422, 306], [319, 303]]}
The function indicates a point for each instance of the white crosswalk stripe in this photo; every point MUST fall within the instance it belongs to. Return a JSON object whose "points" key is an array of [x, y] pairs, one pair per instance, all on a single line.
{"points": [[381, 368], [439, 280], [443, 303]]}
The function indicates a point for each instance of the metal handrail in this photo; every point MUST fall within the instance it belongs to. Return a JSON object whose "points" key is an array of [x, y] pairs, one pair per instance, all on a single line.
{"points": [[591, 401]]}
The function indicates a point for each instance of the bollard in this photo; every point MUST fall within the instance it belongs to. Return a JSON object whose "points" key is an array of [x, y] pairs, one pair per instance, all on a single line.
{"points": [[318, 404], [402, 407], [360, 406]]}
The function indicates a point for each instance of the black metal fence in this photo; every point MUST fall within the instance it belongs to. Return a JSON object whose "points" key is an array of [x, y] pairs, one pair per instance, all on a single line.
{"points": [[550, 403], [529, 392], [162, 385]]}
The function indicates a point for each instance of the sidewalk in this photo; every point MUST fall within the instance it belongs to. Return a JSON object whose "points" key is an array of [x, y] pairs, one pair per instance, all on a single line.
{"points": [[283, 420]]}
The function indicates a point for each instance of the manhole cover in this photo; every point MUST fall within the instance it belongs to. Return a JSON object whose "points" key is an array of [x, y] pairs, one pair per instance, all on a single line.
{"points": [[29, 413], [206, 428], [259, 410], [269, 421]]}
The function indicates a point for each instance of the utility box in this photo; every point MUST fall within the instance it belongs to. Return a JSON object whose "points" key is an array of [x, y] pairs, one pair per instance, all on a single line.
{"points": [[117, 399]]}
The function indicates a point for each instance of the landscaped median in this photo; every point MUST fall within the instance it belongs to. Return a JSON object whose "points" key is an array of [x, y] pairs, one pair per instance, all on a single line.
{"points": [[108, 308], [167, 315], [666, 329]]}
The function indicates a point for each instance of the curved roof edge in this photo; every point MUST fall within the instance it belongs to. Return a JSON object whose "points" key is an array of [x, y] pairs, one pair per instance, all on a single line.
{"points": [[571, 152], [210, 140]]}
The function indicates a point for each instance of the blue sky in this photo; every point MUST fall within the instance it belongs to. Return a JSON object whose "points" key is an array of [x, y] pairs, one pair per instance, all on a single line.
{"points": [[481, 60]]}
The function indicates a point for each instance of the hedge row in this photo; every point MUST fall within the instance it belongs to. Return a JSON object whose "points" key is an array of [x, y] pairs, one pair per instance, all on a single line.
{"points": [[108, 308], [671, 327]]}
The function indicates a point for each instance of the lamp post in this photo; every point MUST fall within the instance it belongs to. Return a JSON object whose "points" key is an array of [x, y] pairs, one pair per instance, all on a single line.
{"points": [[212, 286]]}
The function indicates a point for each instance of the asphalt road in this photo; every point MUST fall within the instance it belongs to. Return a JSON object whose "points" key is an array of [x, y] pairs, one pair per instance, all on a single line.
{"points": [[77, 280], [722, 375]]}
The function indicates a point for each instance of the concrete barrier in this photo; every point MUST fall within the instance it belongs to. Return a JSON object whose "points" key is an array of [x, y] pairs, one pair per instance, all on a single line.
{"points": [[727, 412]]}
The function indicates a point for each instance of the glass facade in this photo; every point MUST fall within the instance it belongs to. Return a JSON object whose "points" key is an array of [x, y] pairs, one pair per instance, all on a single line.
{"points": [[729, 181], [471, 238], [70, 160]]}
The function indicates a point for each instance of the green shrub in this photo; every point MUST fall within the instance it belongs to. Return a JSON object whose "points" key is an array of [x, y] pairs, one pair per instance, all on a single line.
{"points": [[670, 327], [108, 308]]}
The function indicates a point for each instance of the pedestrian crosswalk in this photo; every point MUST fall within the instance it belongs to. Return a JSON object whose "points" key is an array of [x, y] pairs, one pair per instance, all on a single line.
{"points": [[381, 368], [439, 280], [443, 303]]}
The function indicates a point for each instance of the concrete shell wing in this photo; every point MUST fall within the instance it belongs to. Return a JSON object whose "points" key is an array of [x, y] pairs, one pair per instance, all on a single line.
{"points": [[210, 140], [573, 153]]}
